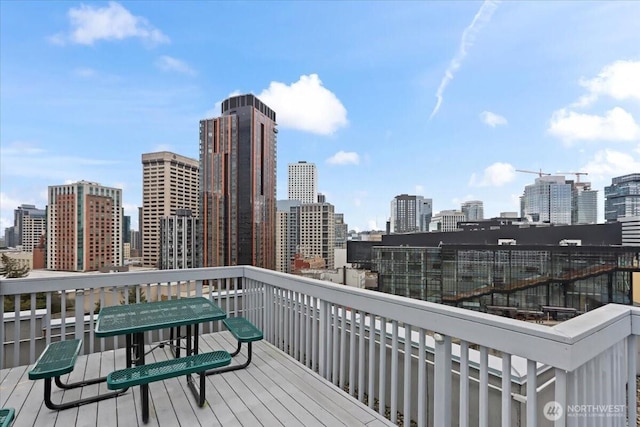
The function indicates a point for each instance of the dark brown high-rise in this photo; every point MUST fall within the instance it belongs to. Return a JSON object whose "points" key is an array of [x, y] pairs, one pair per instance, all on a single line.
{"points": [[238, 185]]}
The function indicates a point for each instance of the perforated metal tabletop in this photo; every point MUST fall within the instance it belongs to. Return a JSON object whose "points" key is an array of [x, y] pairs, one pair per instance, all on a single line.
{"points": [[132, 318]]}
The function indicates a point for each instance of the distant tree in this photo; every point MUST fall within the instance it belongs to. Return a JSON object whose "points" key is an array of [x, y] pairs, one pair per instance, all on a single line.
{"points": [[11, 269]]}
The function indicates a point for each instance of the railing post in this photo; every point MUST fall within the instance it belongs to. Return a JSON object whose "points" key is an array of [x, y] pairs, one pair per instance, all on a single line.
{"points": [[267, 312], [382, 376], [395, 355], [372, 359], [532, 395], [198, 288], [442, 381], [560, 396], [422, 379], [483, 388], [463, 410], [322, 339], [506, 390], [79, 313], [362, 317], [406, 404], [632, 350]]}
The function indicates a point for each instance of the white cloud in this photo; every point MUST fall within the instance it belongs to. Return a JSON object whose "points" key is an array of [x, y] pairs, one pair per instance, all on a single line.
{"points": [[38, 163], [495, 175], [615, 125], [84, 72], [305, 105], [344, 158], [469, 34], [619, 80], [90, 24], [20, 148], [168, 63], [609, 163], [492, 119], [419, 190]]}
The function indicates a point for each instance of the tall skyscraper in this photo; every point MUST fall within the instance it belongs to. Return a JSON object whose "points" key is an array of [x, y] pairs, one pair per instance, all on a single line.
{"points": [[169, 182], [622, 197], [287, 233], [238, 185], [548, 200], [303, 182], [410, 214], [84, 227], [473, 210]]}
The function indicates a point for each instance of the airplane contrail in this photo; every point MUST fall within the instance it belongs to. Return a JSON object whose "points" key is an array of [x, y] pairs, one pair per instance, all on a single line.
{"points": [[469, 34]]}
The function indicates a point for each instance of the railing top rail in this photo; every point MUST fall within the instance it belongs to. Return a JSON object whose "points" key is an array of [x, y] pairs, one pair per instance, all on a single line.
{"points": [[101, 280]]}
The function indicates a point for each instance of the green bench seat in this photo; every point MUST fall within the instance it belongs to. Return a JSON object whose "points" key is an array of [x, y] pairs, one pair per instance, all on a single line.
{"points": [[6, 416], [142, 375], [244, 332], [242, 329], [59, 358], [148, 373]]}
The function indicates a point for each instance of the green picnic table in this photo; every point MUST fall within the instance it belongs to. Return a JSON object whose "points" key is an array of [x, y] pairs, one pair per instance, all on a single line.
{"points": [[133, 320]]}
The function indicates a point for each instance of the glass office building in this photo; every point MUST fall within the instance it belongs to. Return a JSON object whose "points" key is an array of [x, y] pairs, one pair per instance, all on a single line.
{"points": [[548, 200], [622, 197], [527, 277]]}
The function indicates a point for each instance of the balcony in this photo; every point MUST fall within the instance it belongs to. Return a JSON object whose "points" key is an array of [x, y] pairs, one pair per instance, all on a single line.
{"points": [[334, 353]]}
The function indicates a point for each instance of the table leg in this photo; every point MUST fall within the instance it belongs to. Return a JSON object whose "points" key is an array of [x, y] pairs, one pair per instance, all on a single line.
{"points": [[196, 335], [189, 337], [129, 350], [175, 345], [138, 338]]}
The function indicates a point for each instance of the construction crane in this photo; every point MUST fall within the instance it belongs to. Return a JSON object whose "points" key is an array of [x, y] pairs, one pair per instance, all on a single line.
{"points": [[577, 174], [539, 173]]}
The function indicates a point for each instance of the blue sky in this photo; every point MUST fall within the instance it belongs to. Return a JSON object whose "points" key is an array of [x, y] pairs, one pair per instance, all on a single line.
{"points": [[440, 99]]}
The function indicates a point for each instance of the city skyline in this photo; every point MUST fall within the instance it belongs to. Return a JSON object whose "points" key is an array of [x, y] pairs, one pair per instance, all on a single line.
{"points": [[440, 99]]}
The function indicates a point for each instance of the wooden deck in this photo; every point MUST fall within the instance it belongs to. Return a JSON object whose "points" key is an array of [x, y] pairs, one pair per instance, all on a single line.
{"points": [[274, 390]]}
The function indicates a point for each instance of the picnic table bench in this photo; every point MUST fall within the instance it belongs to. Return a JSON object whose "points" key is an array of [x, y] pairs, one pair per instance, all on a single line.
{"points": [[158, 371], [244, 332], [58, 359], [6, 416]]}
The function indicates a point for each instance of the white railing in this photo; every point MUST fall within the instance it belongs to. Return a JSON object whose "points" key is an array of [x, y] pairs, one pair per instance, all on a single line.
{"points": [[449, 373]]}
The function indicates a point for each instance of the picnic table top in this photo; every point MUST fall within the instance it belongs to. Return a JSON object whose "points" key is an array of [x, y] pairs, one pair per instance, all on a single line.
{"points": [[146, 316]]}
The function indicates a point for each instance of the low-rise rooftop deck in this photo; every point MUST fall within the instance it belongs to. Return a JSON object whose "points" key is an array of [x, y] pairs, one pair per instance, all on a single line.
{"points": [[274, 390]]}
